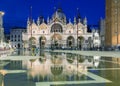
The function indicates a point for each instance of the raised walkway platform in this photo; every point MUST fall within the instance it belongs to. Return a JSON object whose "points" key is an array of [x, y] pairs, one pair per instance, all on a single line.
{"points": [[86, 53], [92, 53], [19, 57]]}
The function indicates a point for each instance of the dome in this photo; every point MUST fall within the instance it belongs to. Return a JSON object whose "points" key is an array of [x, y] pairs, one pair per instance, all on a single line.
{"points": [[60, 15]]}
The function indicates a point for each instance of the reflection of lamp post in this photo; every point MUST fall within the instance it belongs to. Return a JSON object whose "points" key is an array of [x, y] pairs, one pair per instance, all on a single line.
{"points": [[77, 65], [3, 73]]}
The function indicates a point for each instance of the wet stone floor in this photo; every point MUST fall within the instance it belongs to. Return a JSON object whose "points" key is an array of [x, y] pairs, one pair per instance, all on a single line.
{"points": [[60, 69]]}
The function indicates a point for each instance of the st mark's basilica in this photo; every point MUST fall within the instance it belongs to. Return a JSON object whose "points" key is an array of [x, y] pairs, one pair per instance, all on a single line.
{"points": [[57, 33]]}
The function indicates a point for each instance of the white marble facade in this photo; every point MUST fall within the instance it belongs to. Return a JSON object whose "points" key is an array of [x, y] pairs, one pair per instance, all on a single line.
{"points": [[56, 32]]}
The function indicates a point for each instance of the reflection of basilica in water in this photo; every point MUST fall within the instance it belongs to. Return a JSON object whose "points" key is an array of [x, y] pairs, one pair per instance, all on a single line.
{"points": [[52, 67], [59, 33]]}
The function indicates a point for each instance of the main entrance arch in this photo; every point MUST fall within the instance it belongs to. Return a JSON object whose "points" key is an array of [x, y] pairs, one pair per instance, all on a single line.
{"points": [[56, 28], [32, 42], [56, 41]]}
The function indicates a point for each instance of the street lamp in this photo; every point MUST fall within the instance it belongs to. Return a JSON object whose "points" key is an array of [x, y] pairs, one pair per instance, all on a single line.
{"points": [[1, 27]]}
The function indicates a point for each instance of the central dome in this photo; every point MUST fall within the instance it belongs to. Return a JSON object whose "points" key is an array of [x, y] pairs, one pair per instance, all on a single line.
{"points": [[59, 15]]}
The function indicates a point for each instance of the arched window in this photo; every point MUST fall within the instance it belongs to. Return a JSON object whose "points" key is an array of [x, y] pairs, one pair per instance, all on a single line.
{"points": [[56, 28]]}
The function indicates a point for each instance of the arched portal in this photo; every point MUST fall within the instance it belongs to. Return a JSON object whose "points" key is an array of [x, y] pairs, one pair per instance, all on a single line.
{"points": [[70, 42], [70, 58], [42, 41], [80, 41], [89, 42], [56, 28], [56, 41], [57, 70], [32, 42]]}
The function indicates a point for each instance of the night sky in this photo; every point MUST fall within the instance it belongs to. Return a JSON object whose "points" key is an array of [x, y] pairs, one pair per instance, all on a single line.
{"points": [[18, 11]]}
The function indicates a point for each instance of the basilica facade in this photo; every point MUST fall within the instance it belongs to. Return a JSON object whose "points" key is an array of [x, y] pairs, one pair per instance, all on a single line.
{"points": [[57, 32]]}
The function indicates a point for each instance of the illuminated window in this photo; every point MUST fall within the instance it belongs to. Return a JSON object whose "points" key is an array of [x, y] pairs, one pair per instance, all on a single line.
{"points": [[56, 28]]}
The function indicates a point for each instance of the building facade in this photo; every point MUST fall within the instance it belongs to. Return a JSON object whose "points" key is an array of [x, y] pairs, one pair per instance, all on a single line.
{"points": [[112, 35], [16, 37], [58, 33]]}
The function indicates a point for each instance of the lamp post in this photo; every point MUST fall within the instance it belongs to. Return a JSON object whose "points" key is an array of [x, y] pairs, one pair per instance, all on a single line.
{"points": [[77, 35], [77, 28], [54, 28], [1, 27], [31, 27]]}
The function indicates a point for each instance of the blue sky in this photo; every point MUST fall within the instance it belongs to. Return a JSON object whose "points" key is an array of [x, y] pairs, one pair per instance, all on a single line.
{"points": [[17, 11]]}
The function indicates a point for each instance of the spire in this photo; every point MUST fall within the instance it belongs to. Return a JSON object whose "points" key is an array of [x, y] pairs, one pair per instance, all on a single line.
{"points": [[30, 15], [78, 15], [56, 14], [74, 20], [1, 18], [43, 21], [48, 20], [38, 21], [33, 21], [70, 20], [85, 21], [28, 21], [59, 5], [101, 18], [79, 20]]}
